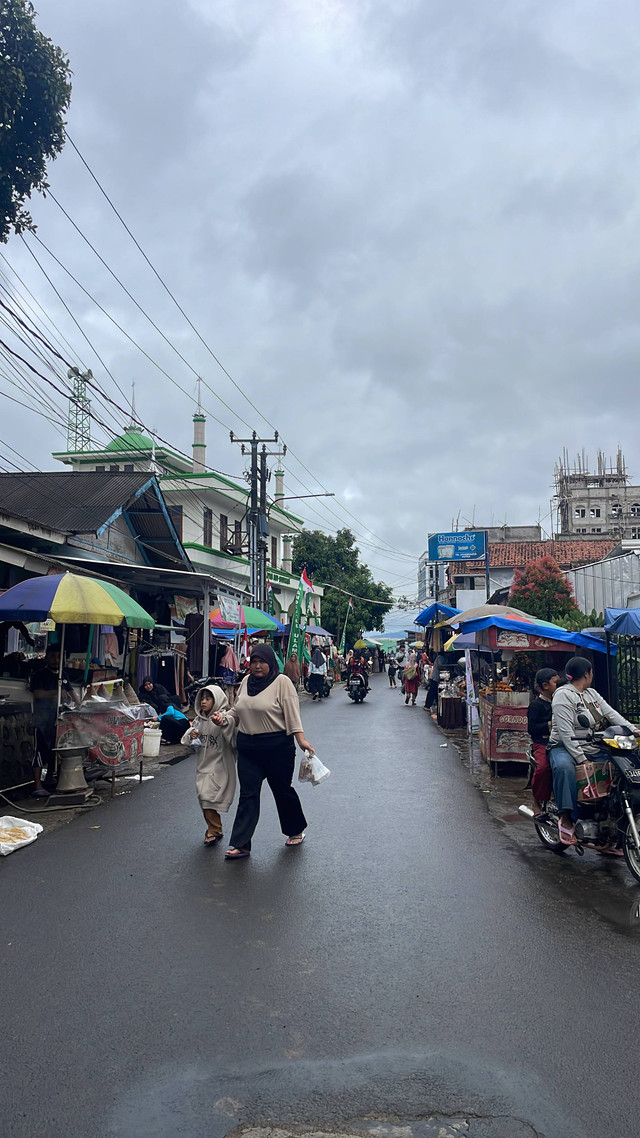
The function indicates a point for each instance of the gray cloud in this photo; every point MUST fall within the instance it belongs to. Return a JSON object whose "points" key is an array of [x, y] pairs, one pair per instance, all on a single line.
{"points": [[408, 229]]}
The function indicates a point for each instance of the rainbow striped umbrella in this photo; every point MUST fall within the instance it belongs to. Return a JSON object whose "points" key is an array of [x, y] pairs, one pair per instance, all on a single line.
{"points": [[68, 598]]}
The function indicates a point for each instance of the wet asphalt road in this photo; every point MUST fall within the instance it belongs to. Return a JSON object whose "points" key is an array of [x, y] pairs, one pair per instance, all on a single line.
{"points": [[411, 958]]}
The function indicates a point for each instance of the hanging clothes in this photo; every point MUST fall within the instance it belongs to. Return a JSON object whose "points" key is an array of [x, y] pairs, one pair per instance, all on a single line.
{"points": [[194, 625]]}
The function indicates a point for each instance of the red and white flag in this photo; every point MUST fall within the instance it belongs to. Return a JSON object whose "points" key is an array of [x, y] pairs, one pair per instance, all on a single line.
{"points": [[307, 585]]}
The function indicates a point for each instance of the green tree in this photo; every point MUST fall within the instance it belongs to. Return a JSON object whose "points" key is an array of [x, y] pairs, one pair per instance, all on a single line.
{"points": [[336, 561], [35, 91], [542, 590]]}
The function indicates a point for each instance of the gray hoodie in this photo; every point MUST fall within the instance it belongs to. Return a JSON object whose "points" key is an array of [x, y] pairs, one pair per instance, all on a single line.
{"points": [[216, 756]]}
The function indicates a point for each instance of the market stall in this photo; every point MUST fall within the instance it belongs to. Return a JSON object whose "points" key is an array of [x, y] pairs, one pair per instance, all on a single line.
{"points": [[68, 600], [502, 708]]}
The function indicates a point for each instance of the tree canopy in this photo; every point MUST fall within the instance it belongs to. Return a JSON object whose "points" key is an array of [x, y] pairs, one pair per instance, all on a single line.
{"points": [[336, 561], [35, 91], [542, 590]]}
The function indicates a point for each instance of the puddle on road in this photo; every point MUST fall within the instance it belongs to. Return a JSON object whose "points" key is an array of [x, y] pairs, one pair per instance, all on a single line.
{"points": [[601, 885]]}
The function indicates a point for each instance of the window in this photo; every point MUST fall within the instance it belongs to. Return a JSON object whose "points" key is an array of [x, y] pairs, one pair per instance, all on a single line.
{"points": [[616, 510], [594, 512], [634, 510], [100, 469], [635, 532], [597, 529], [175, 513], [580, 512], [224, 531], [237, 538], [274, 552], [128, 468], [113, 468], [581, 529], [207, 527]]}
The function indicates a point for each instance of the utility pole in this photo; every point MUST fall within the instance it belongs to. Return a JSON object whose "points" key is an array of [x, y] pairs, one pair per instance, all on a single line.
{"points": [[257, 521]]}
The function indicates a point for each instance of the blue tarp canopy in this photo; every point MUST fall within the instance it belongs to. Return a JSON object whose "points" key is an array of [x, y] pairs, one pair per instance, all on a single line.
{"points": [[435, 613], [622, 622], [548, 631]]}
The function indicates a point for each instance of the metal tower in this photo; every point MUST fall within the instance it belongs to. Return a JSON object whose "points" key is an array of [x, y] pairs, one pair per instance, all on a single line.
{"points": [[79, 422]]}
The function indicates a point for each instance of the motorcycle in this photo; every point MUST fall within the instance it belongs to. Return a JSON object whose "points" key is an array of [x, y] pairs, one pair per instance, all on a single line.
{"points": [[192, 689], [609, 813], [326, 686], [357, 687]]}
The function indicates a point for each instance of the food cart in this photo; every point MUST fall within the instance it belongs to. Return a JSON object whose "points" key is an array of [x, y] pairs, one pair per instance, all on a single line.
{"points": [[504, 737]]}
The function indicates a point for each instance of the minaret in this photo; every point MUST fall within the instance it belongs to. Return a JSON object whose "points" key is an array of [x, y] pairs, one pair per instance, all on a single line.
{"points": [[199, 445]]}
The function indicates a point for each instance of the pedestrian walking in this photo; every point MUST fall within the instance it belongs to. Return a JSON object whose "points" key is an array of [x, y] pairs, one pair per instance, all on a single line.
{"points": [[317, 673], [216, 759], [393, 669], [292, 669], [411, 679], [267, 715]]}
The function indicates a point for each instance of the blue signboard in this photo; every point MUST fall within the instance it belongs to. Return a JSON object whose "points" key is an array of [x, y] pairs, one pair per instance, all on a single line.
{"points": [[468, 545]]}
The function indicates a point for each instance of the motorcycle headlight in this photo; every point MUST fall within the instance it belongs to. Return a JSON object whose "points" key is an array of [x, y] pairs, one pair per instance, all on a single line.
{"points": [[625, 743]]}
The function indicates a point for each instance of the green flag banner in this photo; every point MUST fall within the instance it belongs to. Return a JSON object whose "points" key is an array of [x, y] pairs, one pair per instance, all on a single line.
{"points": [[295, 636]]}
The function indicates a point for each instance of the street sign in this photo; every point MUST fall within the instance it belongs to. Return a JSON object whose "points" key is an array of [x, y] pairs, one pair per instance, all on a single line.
{"points": [[468, 545]]}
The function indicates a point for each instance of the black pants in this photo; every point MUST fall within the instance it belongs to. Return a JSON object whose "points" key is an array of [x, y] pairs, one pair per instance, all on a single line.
{"points": [[271, 756], [432, 694]]}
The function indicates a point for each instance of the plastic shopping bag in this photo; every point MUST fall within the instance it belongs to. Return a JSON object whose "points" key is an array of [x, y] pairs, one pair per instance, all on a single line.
{"points": [[312, 770], [15, 833]]}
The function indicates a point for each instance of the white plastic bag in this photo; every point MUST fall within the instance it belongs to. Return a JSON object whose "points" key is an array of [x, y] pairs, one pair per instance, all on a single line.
{"points": [[312, 770], [15, 833]]}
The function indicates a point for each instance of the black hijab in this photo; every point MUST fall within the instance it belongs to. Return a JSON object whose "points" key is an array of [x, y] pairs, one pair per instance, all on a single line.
{"points": [[317, 657], [256, 684]]}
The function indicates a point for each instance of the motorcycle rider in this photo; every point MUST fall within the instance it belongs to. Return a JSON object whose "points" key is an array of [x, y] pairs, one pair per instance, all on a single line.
{"points": [[539, 727], [358, 667], [574, 698]]}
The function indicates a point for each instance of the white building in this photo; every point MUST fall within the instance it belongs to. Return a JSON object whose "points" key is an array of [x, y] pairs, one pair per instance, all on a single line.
{"points": [[208, 511]]}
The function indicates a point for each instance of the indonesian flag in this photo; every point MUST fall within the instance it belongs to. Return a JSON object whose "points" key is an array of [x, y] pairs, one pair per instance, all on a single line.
{"points": [[350, 605], [307, 586]]}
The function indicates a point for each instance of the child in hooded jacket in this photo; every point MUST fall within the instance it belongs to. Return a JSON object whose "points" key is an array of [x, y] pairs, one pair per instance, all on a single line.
{"points": [[216, 761]]}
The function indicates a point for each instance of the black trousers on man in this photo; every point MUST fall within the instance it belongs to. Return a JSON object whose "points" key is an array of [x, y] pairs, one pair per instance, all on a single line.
{"points": [[432, 694], [272, 757]]}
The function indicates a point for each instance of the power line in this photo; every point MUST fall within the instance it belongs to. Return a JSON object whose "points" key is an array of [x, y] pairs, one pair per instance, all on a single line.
{"points": [[204, 343]]}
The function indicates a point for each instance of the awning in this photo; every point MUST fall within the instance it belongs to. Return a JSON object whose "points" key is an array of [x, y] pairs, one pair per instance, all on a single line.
{"points": [[435, 613], [530, 635]]}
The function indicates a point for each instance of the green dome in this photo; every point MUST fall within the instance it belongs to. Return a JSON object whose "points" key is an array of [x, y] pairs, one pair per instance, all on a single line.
{"points": [[132, 439]]}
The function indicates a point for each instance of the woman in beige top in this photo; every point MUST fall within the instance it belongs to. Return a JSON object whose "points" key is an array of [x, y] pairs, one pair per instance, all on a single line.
{"points": [[267, 714]]}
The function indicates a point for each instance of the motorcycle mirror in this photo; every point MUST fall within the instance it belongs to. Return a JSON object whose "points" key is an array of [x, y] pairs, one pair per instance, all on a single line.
{"points": [[583, 720]]}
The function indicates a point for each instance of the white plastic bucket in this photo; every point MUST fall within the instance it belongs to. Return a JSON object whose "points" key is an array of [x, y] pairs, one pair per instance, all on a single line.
{"points": [[151, 742]]}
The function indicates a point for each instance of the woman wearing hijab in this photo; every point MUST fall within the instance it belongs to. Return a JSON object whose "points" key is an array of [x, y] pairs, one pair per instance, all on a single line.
{"points": [[172, 721], [411, 679], [292, 669], [317, 673], [267, 715]]}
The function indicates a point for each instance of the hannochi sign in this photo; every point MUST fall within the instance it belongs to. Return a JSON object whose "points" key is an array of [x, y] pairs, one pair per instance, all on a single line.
{"points": [[466, 545]]}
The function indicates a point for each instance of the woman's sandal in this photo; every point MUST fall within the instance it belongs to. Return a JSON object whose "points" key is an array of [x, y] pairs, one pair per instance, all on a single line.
{"points": [[233, 854], [212, 841], [566, 835], [296, 841]]}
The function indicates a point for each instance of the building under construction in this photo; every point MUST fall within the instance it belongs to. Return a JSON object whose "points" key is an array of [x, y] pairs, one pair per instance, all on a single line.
{"points": [[599, 503]]}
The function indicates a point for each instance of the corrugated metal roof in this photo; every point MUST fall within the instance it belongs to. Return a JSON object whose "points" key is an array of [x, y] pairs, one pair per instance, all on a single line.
{"points": [[68, 502]]}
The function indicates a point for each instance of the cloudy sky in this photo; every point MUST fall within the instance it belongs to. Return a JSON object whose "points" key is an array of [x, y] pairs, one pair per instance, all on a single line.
{"points": [[407, 228]]}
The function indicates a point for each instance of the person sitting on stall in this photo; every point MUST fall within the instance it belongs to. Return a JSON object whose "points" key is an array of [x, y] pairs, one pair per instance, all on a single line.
{"points": [[539, 727], [172, 722], [44, 688]]}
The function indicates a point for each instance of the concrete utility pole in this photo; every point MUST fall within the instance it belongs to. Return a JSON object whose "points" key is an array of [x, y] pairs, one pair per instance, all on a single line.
{"points": [[257, 521]]}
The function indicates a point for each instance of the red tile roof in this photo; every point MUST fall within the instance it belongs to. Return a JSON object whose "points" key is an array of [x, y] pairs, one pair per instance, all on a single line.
{"points": [[517, 554]]}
